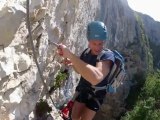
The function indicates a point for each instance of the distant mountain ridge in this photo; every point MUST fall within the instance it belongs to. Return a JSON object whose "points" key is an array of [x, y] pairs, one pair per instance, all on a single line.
{"points": [[126, 29]]}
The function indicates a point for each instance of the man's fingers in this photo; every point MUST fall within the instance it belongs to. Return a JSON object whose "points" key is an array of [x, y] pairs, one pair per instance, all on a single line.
{"points": [[60, 52], [66, 61]]}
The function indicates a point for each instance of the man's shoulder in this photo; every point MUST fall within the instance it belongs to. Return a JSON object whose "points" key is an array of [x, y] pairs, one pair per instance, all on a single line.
{"points": [[106, 54], [107, 51]]}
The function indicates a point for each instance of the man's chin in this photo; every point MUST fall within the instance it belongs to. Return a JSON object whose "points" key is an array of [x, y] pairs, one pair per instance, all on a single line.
{"points": [[96, 53]]}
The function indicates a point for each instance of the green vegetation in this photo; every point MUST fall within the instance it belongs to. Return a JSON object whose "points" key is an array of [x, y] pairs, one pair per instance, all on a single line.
{"points": [[147, 106], [145, 46], [155, 52], [42, 108], [60, 79], [152, 86], [139, 80]]}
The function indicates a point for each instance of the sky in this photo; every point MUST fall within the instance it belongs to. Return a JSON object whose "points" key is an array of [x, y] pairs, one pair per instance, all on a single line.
{"points": [[149, 7]]}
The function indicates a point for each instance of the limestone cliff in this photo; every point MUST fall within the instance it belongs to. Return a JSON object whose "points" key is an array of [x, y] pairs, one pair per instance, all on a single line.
{"points": [[51, 20], [65, 21]]}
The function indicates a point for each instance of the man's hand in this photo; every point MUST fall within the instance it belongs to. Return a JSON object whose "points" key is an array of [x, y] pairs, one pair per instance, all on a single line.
{"points": [[63, 51], [67, 62]]}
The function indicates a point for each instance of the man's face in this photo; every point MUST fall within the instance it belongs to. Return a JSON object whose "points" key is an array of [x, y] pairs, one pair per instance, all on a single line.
{"points": [[96, 46]]}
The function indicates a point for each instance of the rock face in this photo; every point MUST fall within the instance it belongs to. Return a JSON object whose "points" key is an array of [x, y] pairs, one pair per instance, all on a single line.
{"points": [[8, 14], [65, 21], [152, 29], [51, 20]]}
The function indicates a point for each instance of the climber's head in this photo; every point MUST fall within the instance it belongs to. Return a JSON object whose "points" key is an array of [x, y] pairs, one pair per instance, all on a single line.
{"points": [[96, 35], [96, 30]]}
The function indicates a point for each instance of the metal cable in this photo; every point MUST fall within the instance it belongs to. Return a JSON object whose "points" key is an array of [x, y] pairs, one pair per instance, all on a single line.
{"points": [[34, 53]]}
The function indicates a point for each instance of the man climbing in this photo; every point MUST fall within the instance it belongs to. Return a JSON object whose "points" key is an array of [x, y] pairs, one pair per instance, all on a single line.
{"points": [[93, 71]]}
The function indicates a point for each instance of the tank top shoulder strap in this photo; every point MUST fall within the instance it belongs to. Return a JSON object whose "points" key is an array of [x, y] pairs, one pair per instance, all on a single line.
{"points": [[86, 51]]}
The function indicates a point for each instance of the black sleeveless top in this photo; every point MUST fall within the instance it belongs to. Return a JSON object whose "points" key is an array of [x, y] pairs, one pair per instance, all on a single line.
{"points": [[87, 57]]}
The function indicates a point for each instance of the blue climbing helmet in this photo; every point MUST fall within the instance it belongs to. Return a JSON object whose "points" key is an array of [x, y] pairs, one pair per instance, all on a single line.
{"points": [[96, 30]]}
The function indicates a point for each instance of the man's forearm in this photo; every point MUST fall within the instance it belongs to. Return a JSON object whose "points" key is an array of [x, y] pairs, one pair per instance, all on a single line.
{"points": [[75, 69], [89, 72]]}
